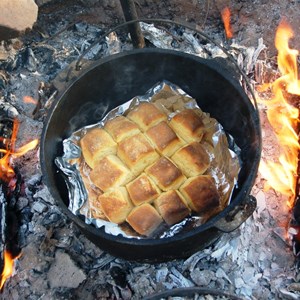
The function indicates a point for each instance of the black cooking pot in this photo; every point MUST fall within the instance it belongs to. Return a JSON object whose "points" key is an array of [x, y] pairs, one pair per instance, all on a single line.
{"points": [[118, 78]]}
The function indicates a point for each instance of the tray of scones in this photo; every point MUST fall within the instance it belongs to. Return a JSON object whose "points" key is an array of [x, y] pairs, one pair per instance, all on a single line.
{"points": [[152, 165]]}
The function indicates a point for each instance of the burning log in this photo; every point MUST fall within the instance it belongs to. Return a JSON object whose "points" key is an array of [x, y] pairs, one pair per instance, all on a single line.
{"points": [[9, 226], [10, 187], [295, 219]]}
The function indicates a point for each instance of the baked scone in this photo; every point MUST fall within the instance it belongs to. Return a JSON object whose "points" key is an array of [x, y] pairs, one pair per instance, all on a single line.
{"points": [[115, 204], [142, 190], [172, 207], [188, 125], [121, 128], [144, 219], [192, 159], [97, 143], [200, 193], [163, 138], [146, 115], [110, 172], [137, 153], [165, 174]]}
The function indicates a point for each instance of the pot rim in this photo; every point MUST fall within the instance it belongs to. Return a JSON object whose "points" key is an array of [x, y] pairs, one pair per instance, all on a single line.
{"points": [[241, 194]]}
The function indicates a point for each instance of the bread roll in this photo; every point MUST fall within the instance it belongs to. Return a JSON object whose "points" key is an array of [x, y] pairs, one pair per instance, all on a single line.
{"points": [[96, 144], [142, 190], [200, 193], [110, 172], [165, 174], [188, 125], [192, 159], [146, 115], [144, 219], [137, 153], [172, 207], [121, 128], [115, 204], [164, 139]]}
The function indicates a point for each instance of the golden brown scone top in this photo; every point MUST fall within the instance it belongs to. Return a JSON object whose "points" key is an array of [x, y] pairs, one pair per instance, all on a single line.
{"points": [[96, 144], [201, 193], [165, 174], [137, 153], [163, 138], [142, 190], [110, 172], [188, 125], [172, 207], [121, 128], [192, 159], [144, 219], [116, 204], [146, 115]]}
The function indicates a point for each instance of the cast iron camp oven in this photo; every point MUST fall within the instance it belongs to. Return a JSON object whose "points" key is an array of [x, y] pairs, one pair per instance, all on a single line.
{"points": [[118, 78]]}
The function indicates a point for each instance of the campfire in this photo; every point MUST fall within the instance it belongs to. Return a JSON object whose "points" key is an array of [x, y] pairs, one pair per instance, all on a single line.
{"points": [[283, 116], [43, 253], [9, 183]]}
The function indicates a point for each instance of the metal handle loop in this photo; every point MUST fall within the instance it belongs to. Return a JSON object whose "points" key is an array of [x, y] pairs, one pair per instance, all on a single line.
{"points": [[237, 216], [189, 26]]}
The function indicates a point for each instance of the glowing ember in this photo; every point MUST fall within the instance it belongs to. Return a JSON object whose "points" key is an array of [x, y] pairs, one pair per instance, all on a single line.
{"points": [[8, 267], [284, 118], [28, 99], [226, 20]]}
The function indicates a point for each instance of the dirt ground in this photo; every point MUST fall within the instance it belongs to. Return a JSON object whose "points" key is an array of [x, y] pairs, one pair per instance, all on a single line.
{"points": [[250, 20]]}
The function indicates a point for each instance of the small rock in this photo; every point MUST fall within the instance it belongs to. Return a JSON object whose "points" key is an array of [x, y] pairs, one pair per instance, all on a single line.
{"points": [[202, 277], [248, 274], [261, 201], [221, 274], [21, 203], [64, 273], [239, 283], [12, 17], [45, 195], [39, 207], [29, 258]]}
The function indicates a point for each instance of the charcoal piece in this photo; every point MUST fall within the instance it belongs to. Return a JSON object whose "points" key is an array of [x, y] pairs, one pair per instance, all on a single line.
{"points": [[22, 202], [3, 209], [25, 215], [23, 230], [30, 60], [52, 218], [295, 224], [119, 275]]}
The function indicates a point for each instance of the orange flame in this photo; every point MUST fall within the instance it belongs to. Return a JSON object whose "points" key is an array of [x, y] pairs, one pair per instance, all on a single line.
{"points": [[226, 20], [6, 170], [8, 267], [284, 118]]}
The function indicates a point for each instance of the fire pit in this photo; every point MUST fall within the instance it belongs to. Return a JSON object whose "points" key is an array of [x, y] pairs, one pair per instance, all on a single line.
{"points": [[57, 261], [121, 77]]}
